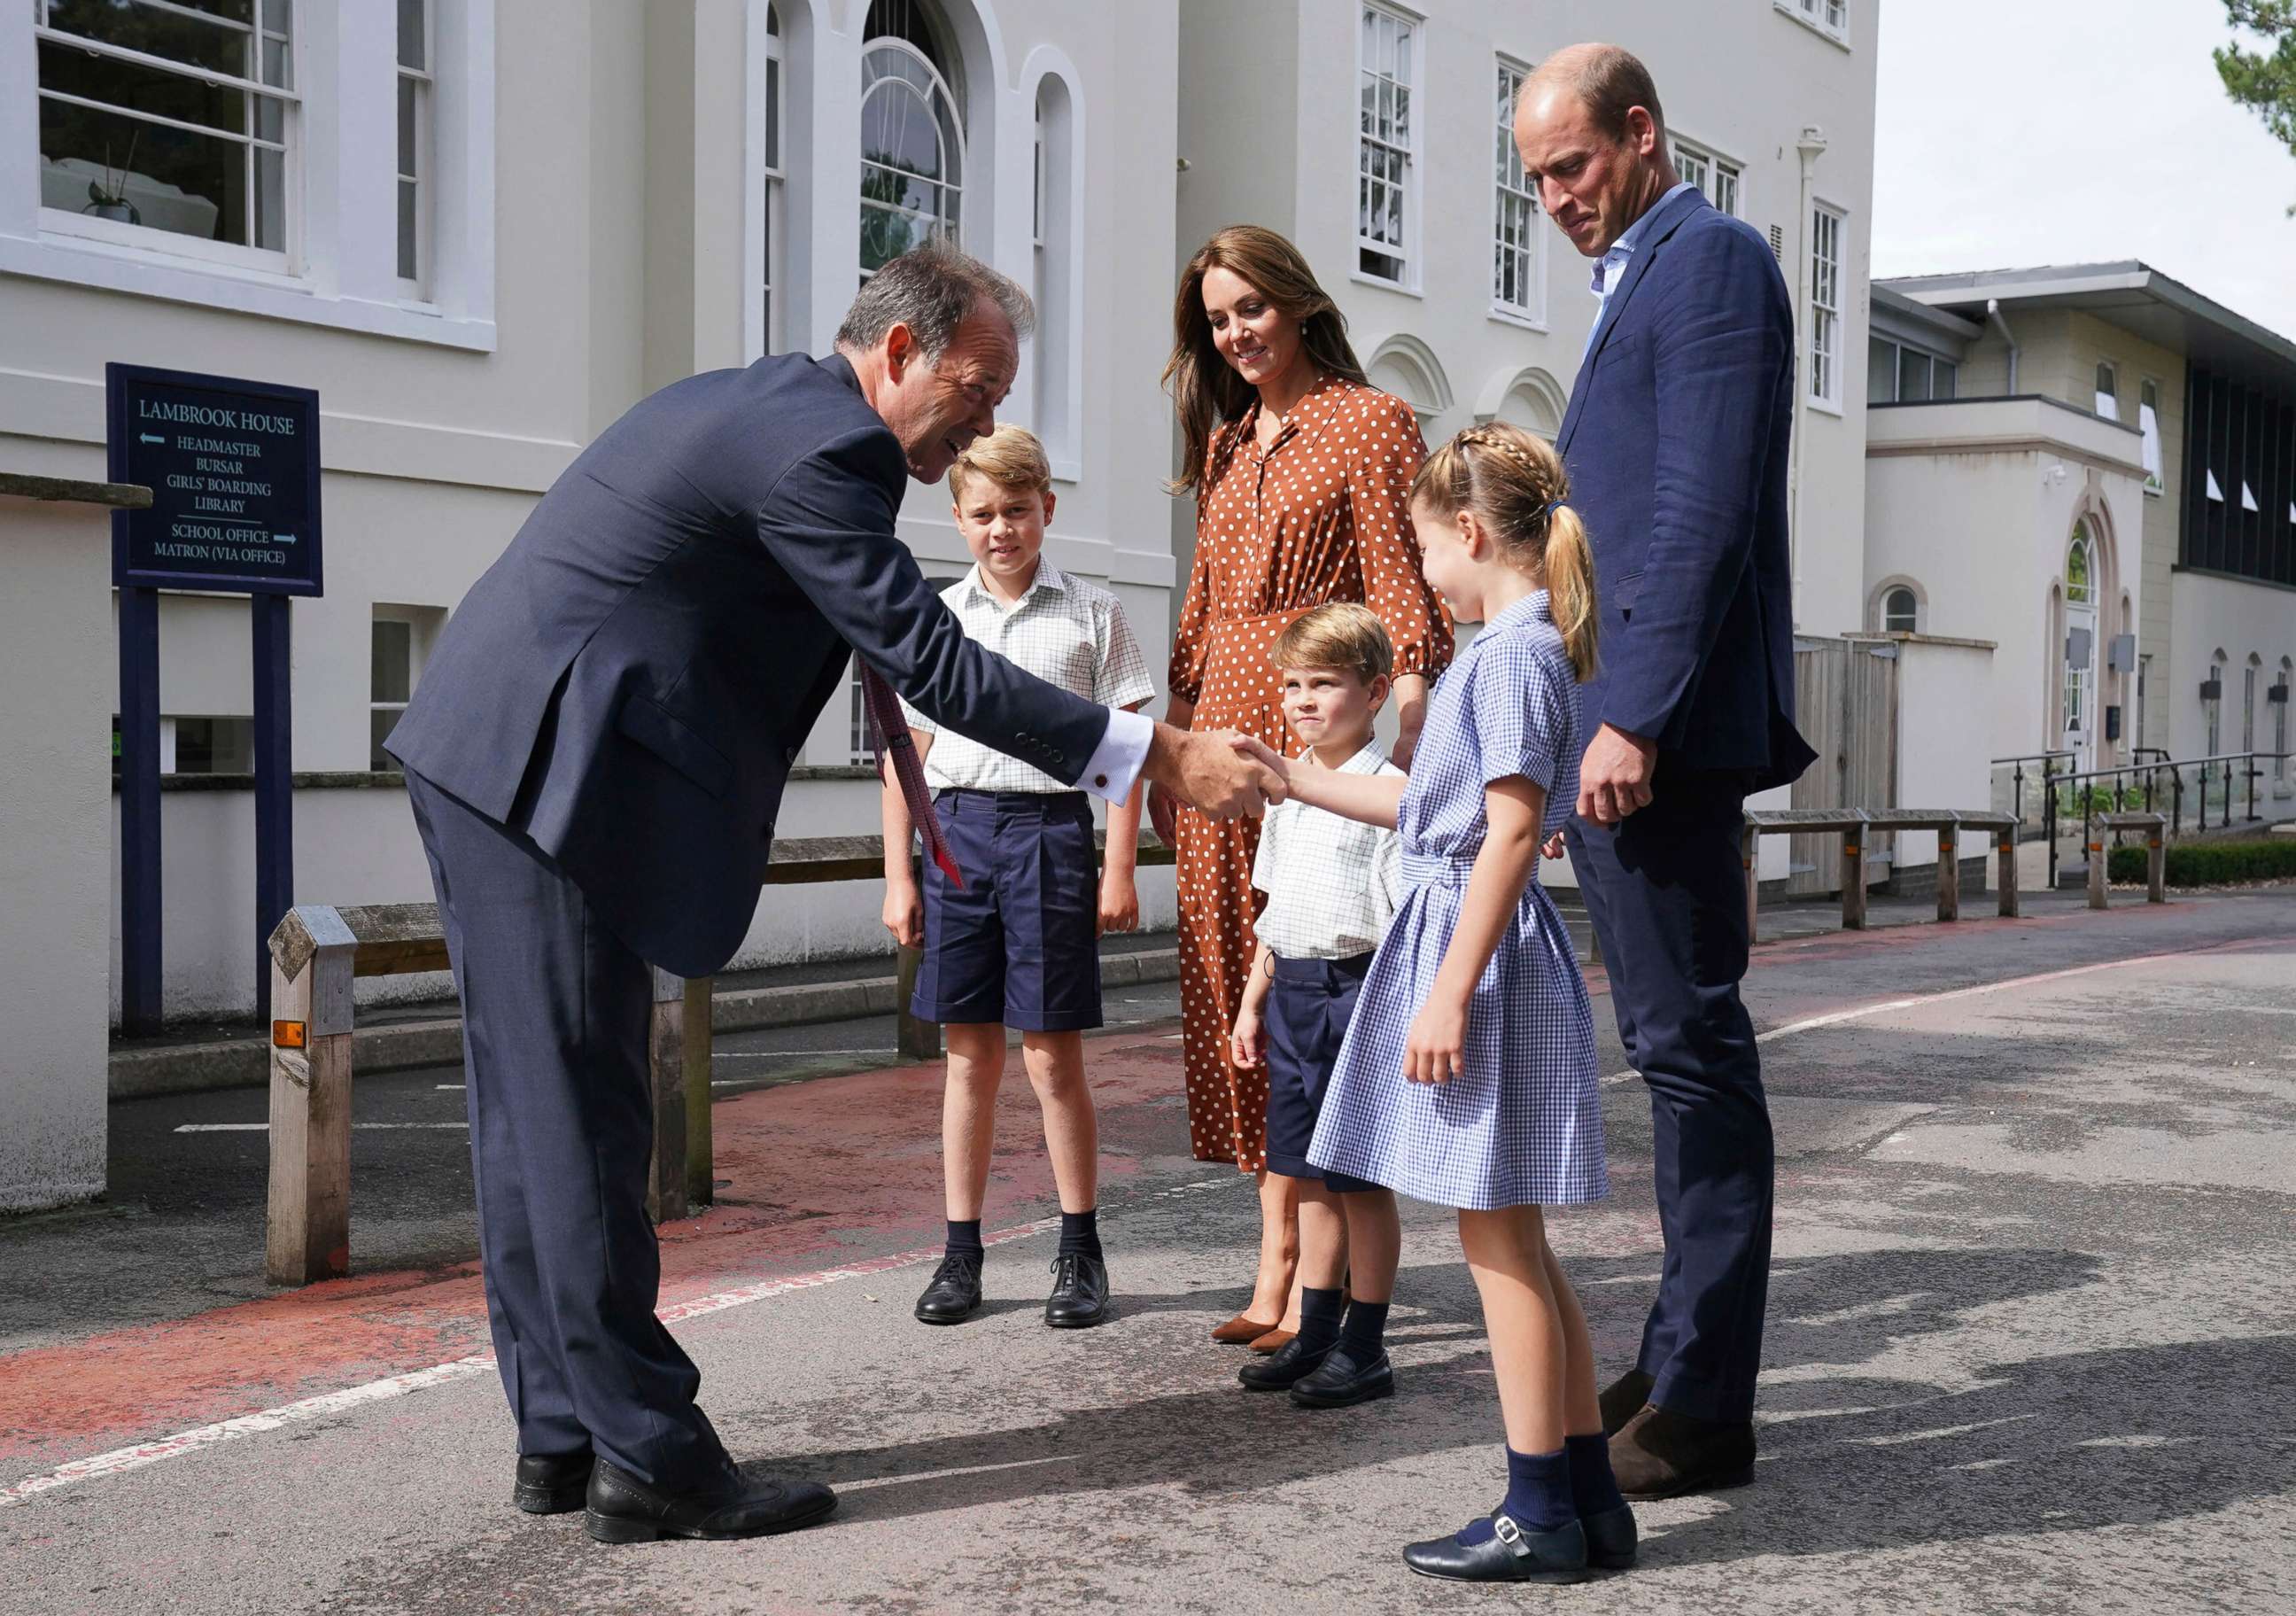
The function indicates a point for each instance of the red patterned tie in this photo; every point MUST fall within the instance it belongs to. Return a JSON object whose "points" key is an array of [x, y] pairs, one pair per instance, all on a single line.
{"points": [[889, 734]]}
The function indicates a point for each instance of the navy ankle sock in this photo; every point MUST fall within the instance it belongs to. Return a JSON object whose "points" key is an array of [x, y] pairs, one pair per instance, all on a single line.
{"points": [[1080, 1234], [1594, 1489], [1364, 1332], [964, 1238], [1537, 1495], [1319, 1319]]}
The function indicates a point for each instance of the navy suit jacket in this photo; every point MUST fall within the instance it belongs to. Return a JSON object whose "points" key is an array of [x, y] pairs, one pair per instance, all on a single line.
{"points": [[629, 684], [1675, 443]]}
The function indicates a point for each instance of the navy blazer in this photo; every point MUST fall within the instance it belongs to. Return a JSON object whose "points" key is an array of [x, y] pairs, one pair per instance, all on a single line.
{"points": [[629, 684], [1675, 442]]}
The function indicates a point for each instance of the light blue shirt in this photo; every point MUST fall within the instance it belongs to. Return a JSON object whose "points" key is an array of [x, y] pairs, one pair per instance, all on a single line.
{"points": [[1611, 269]]}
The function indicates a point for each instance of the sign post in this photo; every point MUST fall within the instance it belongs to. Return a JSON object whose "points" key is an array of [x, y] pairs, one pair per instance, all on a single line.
{"points": [[234, 471]]}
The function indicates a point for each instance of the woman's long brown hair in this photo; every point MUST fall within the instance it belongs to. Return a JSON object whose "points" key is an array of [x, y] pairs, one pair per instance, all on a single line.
{"points": [[1206, 389]]}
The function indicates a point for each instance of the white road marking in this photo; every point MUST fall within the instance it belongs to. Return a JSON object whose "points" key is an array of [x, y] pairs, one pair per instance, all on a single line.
{"points": [[264, 1128], [791, 1054], [121, 1460]]}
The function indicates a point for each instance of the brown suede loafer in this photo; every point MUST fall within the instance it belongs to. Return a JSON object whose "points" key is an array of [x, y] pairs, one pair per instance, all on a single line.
{"points": [[1663, 1455], [1623, 1398]]}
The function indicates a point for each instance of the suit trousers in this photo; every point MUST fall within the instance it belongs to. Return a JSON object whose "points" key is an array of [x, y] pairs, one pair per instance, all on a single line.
{"points": [[554, 1015], [1665, 890]]}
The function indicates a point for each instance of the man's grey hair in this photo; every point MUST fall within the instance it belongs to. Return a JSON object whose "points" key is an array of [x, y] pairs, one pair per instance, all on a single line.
{"points": [[932, 290]]}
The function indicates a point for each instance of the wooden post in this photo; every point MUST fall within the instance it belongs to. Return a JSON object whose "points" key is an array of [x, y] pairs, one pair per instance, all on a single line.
{"points": [[918, 1040], [666, 1079], [1853, 879], [2005, 877], [2097, 888], [700, 1146], [1948, 875], [1750, 850], [307, 1228], [2156, 866]]}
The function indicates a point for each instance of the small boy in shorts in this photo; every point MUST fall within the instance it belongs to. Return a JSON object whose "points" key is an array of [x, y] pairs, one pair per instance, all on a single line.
{"points": [[1332, 885], [1017, 945]]}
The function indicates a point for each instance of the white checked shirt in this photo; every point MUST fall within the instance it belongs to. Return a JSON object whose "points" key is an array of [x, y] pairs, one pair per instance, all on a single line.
{"points": [[1333, 884], [1067, 632]]}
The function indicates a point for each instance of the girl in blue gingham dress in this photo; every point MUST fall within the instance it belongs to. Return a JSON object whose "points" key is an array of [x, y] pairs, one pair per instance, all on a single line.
{"points": [[1467, 1077]]}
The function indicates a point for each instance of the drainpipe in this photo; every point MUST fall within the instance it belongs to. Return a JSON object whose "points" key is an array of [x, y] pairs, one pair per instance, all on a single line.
{"points": [[1811, 143], [1992, 317]]}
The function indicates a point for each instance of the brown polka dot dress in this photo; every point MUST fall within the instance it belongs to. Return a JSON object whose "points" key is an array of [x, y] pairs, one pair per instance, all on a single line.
{"points": [[1322, 514]]}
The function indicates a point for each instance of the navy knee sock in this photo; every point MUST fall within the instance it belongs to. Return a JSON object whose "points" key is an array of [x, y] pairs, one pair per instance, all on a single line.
{"points": [[1594, 1489], [1537, 1495], [964, 1238], [1080, 1234], [1364, 1334], [1319, 1319]]}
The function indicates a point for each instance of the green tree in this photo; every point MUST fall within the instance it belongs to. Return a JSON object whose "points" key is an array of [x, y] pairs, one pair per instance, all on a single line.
{"points": [[2263, 81]]}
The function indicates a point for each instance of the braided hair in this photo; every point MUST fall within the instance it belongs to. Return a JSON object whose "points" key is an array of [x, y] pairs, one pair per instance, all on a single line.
{"points": [[1515, 485]]}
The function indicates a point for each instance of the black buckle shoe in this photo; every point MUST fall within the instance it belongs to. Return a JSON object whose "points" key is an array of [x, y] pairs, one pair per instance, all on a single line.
{"points": [[1339, 1382], [552, 1483], [1613, 1543], [623, 1509], [1293, 1361], [954, 1295], [1510, 1555], [1079, 1298]]}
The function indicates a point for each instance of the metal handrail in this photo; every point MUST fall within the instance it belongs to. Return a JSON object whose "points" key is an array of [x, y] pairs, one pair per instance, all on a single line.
{"points": [[2017, 777], [2037, 757], [2149, 771]]}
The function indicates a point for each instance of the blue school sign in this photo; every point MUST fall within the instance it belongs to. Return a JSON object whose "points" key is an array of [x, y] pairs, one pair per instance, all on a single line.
{"points": [[234, 471]]}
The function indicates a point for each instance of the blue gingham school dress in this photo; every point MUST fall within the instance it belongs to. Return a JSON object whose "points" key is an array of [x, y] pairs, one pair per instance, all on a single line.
{"points": [[1522, 1123]]}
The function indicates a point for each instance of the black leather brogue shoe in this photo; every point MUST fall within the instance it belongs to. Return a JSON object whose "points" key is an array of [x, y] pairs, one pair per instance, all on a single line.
{"points": [[730, 1503], [1079, 1298], [552, 1483], [1339, 1382], [954, 1295], [1511, 1553]]}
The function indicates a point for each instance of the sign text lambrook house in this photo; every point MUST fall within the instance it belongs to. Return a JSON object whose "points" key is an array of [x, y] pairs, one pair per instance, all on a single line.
{"points": [[234, 471]]}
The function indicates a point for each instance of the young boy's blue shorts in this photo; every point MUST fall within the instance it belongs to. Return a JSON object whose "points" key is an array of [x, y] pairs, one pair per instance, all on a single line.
{"points": [[1018, 943], [1305, 1017]]}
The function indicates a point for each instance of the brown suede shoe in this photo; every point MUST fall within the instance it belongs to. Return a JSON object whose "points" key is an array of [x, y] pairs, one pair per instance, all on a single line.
{"points": [[1623, 1398], [1274, 1341], [1663, 1455], [1241, 1331]]}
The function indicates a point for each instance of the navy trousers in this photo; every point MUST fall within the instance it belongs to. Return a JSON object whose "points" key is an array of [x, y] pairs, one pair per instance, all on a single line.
{"points": [[554, 1012], [1665, 890]]}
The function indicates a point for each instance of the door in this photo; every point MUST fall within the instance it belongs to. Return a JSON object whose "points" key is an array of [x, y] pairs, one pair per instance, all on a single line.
{"points": [[2081, 716]]}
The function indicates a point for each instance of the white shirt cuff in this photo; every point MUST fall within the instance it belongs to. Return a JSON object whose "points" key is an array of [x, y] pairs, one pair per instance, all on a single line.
{"points": [[1115, 764]]}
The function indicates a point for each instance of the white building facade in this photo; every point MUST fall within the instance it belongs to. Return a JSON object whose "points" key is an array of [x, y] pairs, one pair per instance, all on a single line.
{"points": [[480, 229]]}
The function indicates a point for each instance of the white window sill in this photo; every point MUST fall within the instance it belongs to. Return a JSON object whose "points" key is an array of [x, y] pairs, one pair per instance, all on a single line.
{"points": [[2154, 491], [1827, 406], [1361, 279], [1793, 13], [271, 294], [1503, 316]]}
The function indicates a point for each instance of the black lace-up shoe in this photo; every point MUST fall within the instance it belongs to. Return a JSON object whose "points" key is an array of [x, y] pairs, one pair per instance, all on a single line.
{"points": [[550, 1483], [623, 1509], [1510, 1555], [1339, 1382], [1079, 1298], [954, 1295]]}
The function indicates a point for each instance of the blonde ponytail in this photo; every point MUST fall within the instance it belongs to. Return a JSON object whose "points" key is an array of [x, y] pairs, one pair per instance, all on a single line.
{"points": [[1569, 564], [1515, 483]]}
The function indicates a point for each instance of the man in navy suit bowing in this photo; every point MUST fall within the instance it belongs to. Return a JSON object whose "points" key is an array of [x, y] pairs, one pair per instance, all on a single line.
{"points": [[1675, 443], [596, 756]]}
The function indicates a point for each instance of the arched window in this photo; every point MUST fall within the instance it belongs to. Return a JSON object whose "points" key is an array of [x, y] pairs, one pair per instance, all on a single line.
{"points": [[912, 133], [2278, 697], [2252, 677], [2212, 702], [2080, 588], [1900, 610], [774, 290], [1407, 367], [1057, 256]]}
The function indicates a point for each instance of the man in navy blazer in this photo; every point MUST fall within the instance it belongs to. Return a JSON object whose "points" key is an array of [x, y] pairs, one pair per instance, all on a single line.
{"points": [[1675, 442], [596, 756]]}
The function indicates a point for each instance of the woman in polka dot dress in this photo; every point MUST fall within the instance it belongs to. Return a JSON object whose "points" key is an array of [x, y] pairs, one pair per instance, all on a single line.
{"points": [[1301, 472]]}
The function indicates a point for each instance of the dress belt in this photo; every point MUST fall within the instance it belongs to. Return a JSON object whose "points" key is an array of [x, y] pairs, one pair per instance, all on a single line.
{"points": [[1436, 869]]}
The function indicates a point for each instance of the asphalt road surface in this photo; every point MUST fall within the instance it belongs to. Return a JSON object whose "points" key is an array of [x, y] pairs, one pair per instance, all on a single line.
{"points": [[2029, 1345]]}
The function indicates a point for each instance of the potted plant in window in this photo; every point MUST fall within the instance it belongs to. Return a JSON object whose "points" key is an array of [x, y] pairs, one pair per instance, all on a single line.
{"points": [[108, 200]]}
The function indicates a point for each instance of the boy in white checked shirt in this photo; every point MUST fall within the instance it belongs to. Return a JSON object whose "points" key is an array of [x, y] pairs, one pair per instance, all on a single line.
{"points": [[1332, 885], [1017, 945]]}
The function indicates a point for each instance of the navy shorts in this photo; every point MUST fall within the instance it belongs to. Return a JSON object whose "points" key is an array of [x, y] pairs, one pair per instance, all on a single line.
{"points": [[1306, 1016], [1018, 943]]}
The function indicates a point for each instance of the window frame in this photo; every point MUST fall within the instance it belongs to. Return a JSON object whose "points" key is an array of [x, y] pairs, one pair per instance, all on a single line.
{"points": [[2107, 399], [416, 287], [1830, 397], [939, 88], [2148, 424], [1716, 164], [1531, 315], [341, 271], [1407, 252], [1827, 19]]}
